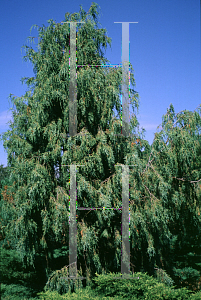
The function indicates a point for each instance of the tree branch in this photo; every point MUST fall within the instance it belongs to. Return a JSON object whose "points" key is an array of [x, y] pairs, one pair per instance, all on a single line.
{"points": [[150, 192], [187, 180]]}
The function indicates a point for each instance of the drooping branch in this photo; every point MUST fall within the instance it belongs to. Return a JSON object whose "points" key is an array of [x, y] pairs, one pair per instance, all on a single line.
{"points": [[182, 179]]}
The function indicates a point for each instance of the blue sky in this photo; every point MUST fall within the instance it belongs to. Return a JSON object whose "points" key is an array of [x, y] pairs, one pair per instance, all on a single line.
{"points": [[164, 51]]}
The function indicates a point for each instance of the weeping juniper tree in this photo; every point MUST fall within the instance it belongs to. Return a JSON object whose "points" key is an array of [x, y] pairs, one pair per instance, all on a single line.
{"points": [[38, 144]]}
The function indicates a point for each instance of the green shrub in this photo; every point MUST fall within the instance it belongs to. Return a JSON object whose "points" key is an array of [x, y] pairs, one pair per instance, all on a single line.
{"points": [[11, 267], [84, 294], [196, 296], [14, 276], [106, 287], [14, 292], [186, 275], [141, 286]]}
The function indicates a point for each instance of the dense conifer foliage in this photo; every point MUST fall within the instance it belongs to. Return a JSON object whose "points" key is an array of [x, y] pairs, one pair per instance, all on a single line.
{"points": [[165, 184]]}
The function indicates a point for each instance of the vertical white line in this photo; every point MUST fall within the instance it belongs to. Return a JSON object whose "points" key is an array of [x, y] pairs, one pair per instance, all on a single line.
{"points": [[125, 259]]}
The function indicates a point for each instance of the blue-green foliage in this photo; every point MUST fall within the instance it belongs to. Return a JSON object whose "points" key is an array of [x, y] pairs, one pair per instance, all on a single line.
{"points": [[59, 281], [163, 277]]}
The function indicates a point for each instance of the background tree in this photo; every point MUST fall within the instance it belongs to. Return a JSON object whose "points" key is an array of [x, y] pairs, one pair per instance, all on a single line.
{"points": [[171, 218]]}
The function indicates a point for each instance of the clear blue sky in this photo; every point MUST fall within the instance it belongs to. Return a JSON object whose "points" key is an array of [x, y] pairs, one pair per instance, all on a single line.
{"points": [[164, 51]]}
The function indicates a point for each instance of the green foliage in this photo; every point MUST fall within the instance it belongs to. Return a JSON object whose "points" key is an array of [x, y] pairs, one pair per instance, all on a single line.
{"points": [[3, 175], [141, 286], [187, 274], [11, 266], [50, 295], [85, 294], [4, 182], [182, 294], [16, 280], [59, 281], [15, 292], [163, 277], [165, 189], [196, 296], [35, 203]]}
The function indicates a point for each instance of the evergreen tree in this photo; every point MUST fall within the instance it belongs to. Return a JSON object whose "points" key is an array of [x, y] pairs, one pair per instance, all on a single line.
{"points": [[172, 180], [37, 142], [164, 184]]}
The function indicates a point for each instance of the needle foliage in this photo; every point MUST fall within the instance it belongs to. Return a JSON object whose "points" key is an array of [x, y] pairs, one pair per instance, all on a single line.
{"points": [[165, 194]]}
